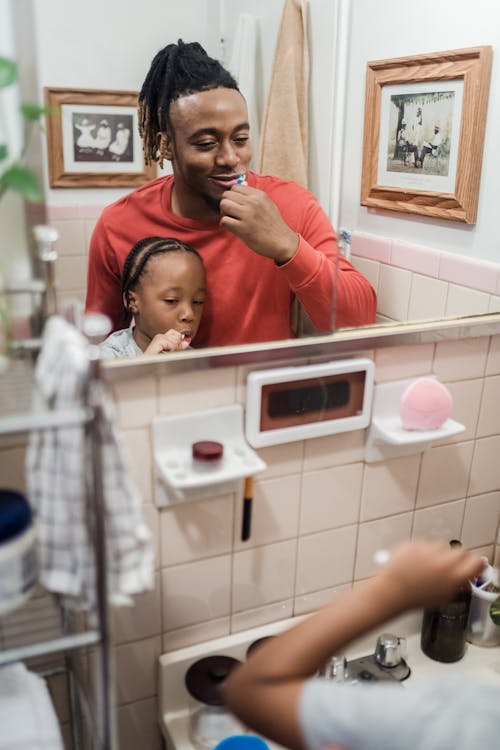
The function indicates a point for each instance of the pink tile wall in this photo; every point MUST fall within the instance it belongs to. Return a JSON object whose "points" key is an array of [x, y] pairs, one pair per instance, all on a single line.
{"points": [[414, 282], [75, 224], [320, 512]]}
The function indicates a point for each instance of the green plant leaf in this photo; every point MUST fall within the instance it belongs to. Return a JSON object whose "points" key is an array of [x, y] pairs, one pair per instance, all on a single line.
{"points": [[23, 181], [8, 72], [32, 112], [3, 151]]}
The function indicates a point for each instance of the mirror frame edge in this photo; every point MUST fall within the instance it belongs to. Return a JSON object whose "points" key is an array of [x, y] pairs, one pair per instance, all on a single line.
{"points": [[341, 343]]}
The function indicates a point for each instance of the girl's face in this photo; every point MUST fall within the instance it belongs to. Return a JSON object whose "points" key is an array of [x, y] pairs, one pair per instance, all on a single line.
{"points": [[170, 295]]}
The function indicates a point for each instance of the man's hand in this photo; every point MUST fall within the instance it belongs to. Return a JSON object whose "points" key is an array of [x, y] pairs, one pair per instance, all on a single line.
{"points": [[253, 217]]}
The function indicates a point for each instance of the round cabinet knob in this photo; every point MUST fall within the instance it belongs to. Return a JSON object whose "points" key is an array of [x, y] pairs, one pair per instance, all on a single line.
{"points": [[388, 651]]}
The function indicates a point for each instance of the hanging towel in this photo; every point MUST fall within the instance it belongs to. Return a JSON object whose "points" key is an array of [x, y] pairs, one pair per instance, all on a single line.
{"points": [[244, 68], [27, 717], [284, 138], [58, 467]]}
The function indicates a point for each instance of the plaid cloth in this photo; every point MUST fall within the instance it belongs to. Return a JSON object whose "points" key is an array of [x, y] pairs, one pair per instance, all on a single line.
{"points": [[59, 479]]}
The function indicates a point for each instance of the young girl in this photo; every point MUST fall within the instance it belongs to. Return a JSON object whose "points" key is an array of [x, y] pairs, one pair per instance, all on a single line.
{"points": [[275, 691], [163, 289]]}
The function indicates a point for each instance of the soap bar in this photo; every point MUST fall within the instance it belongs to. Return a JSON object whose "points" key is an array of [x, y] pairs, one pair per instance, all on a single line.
{"points": [[425, 405]]}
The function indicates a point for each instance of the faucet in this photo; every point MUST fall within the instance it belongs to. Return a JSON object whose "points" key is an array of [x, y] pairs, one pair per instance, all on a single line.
{"points": [[387, 662]]}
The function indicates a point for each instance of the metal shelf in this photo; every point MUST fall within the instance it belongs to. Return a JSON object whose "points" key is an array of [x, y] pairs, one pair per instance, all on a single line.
{"points": [[42, 630], [36, 629], [22, 408]]}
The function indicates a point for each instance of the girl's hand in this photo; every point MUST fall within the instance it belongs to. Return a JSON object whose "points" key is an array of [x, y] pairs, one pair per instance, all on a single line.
{"points": [[424, 573], [171, 341]]}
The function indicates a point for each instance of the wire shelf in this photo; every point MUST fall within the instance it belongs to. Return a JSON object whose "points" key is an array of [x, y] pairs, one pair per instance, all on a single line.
{"points": [[37, 629], [23, 409]]}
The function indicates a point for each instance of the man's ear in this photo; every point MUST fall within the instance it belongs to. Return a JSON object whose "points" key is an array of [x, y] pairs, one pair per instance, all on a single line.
{"points": [[165, 145]]}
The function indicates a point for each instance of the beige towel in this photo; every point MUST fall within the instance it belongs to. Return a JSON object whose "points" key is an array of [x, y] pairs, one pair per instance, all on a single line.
{"points": [[284, 139]]}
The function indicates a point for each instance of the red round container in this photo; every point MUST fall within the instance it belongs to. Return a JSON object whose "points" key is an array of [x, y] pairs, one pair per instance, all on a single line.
{"points": [[207, 454]]}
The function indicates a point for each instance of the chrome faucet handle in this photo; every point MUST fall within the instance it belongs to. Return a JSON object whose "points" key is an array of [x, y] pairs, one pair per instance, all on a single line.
{"points": [[390, 650], [338, 669]]}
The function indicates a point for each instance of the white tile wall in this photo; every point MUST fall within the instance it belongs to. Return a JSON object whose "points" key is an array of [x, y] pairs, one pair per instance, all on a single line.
{"points": [[331, 498], [319, 512], [389, 487], [195, 592], [325, 559], [444, 473], [263, 575]]}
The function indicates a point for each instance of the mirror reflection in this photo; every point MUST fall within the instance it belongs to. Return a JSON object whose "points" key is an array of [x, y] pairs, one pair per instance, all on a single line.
{"points": [[264, 241], [419, 268]]}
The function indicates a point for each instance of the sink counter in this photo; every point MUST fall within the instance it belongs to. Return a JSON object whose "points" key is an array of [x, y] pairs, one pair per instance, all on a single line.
{"points": [[478, 663]]}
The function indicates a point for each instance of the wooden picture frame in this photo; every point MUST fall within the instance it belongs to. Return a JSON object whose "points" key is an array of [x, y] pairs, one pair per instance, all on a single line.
{"points": [[93, 139], [451, 91]]}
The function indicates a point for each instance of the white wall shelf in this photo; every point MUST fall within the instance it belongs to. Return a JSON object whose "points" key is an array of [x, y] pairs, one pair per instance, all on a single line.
{"points": [[386, 436], [177, 476]]}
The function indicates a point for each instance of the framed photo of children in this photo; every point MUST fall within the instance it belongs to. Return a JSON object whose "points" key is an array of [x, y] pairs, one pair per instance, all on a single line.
{"points": [[425, 118], [93, 139]]}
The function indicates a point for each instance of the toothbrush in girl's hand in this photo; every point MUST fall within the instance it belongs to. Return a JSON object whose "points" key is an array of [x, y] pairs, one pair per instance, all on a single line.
{"points": [[242, 179], [489, 578]]}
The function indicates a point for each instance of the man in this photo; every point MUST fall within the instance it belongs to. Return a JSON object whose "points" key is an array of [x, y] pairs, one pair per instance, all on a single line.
{"points": [[432, 145], [405, 145], [263, 241]]}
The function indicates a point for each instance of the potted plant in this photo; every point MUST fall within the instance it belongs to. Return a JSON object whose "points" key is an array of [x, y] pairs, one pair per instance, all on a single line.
{"points": [[16, 176]]}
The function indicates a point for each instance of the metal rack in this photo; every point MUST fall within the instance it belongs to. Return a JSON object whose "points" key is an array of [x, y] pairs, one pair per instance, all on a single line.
{"points": [[44, 627]]}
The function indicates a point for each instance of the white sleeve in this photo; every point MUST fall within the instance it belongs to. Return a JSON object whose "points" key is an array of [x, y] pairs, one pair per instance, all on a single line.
{"points": [[385, 716]]}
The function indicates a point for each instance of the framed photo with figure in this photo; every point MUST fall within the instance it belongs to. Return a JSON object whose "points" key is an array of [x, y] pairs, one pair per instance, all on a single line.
{"points": [[425, 118], [93, 139]]}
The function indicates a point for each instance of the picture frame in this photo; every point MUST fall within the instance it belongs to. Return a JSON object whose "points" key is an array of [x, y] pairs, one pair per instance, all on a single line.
{"points": [[436, 104], [93, 139]]}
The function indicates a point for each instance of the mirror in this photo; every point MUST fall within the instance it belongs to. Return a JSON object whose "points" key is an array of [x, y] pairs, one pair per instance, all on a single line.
{"points": [[105, 48]]}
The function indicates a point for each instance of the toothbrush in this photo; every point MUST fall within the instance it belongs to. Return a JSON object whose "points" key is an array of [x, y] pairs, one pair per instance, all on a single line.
{"points": [[242, 179]]}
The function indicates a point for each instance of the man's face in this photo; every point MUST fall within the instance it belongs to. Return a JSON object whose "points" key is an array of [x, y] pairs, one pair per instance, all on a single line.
{"points": [[209, 147]]}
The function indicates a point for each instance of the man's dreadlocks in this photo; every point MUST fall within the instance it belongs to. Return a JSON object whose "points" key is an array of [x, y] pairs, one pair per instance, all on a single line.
{"points": [[177, 70]]}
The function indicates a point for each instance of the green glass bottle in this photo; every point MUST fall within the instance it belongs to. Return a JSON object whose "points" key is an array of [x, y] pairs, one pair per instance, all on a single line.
{"points": [[442, 636]]}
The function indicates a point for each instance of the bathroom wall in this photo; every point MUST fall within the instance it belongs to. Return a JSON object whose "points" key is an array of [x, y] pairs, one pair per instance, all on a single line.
{"points": [[381, 32], [415, 282], [319, 513]]}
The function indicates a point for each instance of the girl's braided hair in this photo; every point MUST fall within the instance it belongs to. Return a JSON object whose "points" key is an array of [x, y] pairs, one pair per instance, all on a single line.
{"points": [[137, 260]]}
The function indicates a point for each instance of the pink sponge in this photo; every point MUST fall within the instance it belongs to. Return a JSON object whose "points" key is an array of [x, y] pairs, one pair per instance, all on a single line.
{"points": [[425, 405]]}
